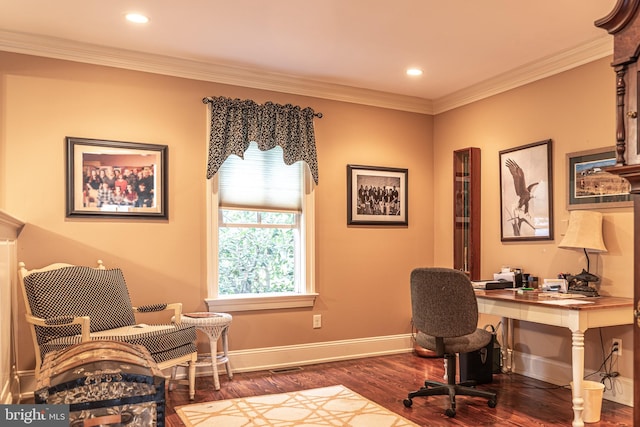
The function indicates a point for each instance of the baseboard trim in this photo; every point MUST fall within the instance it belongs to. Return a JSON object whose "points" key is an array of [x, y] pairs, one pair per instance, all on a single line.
{"points": [[620, 390], [258, 359]]}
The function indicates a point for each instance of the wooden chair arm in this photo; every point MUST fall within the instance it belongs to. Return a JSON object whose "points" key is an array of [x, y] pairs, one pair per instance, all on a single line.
{"points": [[56, 322], [176, 307]]}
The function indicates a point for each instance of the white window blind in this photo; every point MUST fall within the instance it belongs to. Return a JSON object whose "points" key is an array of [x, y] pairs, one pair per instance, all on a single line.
{"points": [[261, 181]]}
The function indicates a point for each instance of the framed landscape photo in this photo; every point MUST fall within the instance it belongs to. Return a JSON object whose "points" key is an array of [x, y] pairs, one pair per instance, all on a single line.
{"points": [[377, 195], [590, 185], [526, 200], [114, 179]]}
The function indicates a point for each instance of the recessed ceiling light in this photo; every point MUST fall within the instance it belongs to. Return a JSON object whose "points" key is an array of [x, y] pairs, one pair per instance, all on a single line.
{"points": [[137, 18], [414, 72]]}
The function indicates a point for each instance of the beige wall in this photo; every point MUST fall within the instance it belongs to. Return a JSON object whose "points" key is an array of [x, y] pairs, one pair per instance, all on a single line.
{"points": [[576, 109], [362, 273]]}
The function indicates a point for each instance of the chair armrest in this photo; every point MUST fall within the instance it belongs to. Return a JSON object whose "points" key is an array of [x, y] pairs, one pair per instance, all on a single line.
{"points": [[176, 307], [53, 322]]}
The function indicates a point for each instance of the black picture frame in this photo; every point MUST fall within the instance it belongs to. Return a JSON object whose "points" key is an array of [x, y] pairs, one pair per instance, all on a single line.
{"points": [[526, 192], [590, 185], [377, 195], [92, 161]]}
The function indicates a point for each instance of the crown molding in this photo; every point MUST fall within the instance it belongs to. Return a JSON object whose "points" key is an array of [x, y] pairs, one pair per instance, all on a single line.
{"points": [[10, 227], [56, 48], [545, 67]]}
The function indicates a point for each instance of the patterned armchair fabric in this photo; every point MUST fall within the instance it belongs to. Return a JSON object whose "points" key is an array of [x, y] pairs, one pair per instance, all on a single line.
{"points": [[61, 295], [79, 291]]}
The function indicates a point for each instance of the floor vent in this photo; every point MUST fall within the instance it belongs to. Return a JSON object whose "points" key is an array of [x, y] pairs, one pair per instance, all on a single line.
{"points": [[285, 370]]}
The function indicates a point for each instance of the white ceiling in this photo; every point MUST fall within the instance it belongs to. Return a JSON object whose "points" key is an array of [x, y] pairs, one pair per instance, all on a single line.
{"points": [[354, 50]]}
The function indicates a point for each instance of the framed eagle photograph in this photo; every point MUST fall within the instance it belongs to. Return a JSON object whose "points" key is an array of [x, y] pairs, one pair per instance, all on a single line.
{"points": [[526, 199]]}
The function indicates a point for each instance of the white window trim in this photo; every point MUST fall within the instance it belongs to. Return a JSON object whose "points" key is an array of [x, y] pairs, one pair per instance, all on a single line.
{"points": [[268, 301]]}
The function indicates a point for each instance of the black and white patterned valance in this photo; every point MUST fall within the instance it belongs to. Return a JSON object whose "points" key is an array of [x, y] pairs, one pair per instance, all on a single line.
{"points": [[235, 123]]}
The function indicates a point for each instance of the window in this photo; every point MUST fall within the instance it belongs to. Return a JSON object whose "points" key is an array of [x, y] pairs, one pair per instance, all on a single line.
{"points": [[260, 220]]}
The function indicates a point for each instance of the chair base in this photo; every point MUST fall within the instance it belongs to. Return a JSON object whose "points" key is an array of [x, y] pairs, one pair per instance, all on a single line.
{"points": [[451, 389]]}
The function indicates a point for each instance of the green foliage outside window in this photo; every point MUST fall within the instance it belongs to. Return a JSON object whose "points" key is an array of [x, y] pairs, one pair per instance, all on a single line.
{"points": [[256, 260]]}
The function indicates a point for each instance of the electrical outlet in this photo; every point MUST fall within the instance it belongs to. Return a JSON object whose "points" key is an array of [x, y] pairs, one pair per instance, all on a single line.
{"points": [[317, 321], [616, 346]]}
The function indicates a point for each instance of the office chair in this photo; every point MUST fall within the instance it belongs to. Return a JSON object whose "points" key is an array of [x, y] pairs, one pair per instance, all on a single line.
{"points": [[445, 313]]}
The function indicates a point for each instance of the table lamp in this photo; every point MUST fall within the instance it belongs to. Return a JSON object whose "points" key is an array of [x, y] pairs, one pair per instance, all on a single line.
{"points": [[584, 232]]}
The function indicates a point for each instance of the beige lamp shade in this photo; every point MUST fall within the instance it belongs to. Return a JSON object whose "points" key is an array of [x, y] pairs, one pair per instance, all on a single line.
{"points": [[584, 232]]}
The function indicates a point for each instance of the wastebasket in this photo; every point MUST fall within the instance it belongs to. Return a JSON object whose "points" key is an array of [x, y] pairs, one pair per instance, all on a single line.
{"points": [[592, 393]]}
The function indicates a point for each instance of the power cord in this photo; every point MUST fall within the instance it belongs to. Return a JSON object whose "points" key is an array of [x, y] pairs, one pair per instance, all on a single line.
{"points": [[606, 370]]}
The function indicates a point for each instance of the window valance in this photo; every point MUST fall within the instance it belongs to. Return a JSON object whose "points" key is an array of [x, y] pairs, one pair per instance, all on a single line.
{"points": [[235, 123]]}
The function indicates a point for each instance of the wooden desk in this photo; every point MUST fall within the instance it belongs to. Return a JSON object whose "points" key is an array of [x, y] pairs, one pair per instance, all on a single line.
{"points": [[537, 308]]}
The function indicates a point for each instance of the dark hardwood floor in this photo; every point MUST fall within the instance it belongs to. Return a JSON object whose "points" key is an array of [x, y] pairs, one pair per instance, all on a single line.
{"points": [[386, 380]]}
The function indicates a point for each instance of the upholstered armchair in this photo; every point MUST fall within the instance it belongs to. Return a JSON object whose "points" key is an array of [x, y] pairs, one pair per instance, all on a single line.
{"points": [[67, 304]]}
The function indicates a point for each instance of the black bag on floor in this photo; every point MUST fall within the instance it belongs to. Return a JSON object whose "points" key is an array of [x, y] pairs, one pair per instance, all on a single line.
{"points": [[479, 365]]}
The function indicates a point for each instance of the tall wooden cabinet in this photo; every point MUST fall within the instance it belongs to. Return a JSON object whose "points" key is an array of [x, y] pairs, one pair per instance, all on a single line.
{"points": [[466, 211], [624, 24]]}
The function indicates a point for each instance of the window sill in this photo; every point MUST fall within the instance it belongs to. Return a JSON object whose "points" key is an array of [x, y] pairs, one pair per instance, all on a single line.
{"points": [[263, 302]]}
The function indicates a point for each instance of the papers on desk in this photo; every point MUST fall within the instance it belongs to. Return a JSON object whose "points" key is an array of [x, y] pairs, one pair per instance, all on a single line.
{"points": [[558, 298], [561, 295], [564, 301]]}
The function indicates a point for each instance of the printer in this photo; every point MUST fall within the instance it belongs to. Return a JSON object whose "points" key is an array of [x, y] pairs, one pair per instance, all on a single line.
{"points": [[507, 278], [515, 277], [491, 284]]}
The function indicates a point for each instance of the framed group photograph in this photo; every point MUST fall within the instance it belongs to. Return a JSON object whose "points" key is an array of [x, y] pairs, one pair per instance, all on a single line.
{"points": [[526, 200], [590, 185], [116, 179], [377, 195]]}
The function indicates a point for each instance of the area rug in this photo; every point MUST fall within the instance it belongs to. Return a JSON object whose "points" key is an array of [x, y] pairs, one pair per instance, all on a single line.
{"points": [[334, 406]]}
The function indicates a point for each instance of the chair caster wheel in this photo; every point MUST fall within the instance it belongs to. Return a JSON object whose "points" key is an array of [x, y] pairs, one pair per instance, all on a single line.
{"points": [[408, 403], [492, 403], [450, 413]]}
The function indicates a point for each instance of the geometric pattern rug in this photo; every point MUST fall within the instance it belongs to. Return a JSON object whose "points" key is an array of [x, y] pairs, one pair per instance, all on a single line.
{"points": [[335, 406]]}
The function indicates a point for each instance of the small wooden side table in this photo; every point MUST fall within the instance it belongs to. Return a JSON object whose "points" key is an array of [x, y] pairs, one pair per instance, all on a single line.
{"points": [[215, 325]]}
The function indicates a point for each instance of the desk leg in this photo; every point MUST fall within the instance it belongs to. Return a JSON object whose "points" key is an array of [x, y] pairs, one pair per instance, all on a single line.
{"points": [[507, 342], [511, 344], [505, 345], [577, 361]]}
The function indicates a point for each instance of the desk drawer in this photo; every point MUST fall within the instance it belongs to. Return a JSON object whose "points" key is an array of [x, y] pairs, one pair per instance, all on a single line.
{"points": [[498, 308]]}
